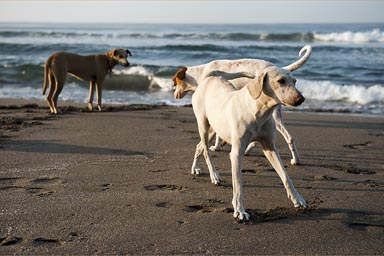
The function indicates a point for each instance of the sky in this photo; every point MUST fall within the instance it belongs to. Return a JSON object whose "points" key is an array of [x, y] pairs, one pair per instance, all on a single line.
{"points": [[191, 11]]}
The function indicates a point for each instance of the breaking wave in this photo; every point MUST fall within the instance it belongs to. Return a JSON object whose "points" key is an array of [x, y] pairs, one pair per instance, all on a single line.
{"points": [[329, 91], [373, 36]]}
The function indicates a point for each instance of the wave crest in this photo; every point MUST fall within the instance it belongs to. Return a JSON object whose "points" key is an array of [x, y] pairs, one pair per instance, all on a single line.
{"points": [[373, 36], [328, 91]]}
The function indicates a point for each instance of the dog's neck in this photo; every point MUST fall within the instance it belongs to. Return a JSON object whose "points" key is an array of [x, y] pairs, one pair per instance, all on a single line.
{"points": [[110, 64], [263, 106], [190, 78]]}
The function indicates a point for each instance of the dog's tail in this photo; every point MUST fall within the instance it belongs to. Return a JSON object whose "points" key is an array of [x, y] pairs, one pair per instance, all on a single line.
{"points": [[47, 67], [297, 64]]}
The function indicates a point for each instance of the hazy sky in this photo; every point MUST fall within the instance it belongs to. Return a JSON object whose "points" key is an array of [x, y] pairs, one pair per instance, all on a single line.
{"points": [[192, 11]]}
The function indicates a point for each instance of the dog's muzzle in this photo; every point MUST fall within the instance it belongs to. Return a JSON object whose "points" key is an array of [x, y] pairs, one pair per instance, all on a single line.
{"points": [[299, 100], [179, 94]]}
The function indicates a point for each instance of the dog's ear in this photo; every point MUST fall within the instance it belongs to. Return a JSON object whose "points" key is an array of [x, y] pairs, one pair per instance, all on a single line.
{"points": [[255, 87], [128, 52], [180, 74]]}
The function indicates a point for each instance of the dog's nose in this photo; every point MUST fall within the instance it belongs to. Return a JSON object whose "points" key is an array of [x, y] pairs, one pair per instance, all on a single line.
{"points": [[299, 99]]}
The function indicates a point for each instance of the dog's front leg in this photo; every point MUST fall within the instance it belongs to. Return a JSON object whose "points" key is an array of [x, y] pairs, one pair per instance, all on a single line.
{"points": [[273, 156], [236, 156], [280, 127], [98, 91], [90, 98]]}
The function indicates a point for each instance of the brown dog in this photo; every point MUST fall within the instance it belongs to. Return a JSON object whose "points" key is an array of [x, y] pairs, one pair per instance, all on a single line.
{"points": [[91, 68]]}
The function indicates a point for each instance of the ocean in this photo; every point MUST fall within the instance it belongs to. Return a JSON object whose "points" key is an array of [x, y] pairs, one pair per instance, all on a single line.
{"points": [[345, 73]]}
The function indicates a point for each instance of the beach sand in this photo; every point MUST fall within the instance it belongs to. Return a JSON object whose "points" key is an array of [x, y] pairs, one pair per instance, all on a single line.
{"points": [[119, 182]]}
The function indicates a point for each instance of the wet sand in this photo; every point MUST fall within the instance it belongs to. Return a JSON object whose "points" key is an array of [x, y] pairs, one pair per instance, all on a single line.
{"points": [[118, 182]]}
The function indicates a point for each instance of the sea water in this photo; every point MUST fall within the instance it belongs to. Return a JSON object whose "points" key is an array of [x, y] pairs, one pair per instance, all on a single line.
{"points": [[345, 72]]}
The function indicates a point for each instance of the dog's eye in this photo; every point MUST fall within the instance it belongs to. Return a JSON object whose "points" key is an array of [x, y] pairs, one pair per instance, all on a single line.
{"points": [[121, 56], [281, 81]]}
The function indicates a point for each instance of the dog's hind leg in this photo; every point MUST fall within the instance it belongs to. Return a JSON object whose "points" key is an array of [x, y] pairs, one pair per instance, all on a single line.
{"points": [[273, 157], [91, 92], [250, 147], [287, 136], [195, 170], [58, 88], [49, 98], [236, 156]]}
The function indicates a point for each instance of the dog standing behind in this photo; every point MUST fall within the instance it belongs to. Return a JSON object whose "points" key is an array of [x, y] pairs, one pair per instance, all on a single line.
{"points": [[243, 116], [91, 68]]}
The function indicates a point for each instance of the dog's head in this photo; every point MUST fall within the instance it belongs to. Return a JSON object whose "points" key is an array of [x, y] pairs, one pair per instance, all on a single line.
{"points": [[179, 83], [278, 84], [120, 56]]}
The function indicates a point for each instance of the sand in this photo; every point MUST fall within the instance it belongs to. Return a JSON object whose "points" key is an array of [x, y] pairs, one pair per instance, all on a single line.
{"points": [[118, 182]]}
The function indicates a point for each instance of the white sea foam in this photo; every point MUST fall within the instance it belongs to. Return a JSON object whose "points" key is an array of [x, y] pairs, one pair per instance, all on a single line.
{"points": [[329, 91], [320, 95], [164, 83], [375, 35], [134, 70]]}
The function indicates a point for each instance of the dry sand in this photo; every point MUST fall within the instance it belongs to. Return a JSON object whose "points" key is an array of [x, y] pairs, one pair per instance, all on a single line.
{"points": [[118, 182]]}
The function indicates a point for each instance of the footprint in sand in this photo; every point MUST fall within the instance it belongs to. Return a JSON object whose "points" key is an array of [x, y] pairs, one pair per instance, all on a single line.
{"points": [[163, 187], [41, 186], [41, 241], [369, 223], [106, 187], [211, 205], [349, 169], [358, 146], [163, 205], [9, 240]]}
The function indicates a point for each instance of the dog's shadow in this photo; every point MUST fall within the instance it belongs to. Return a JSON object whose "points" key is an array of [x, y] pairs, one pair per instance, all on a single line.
{"points": [[43, 146]]}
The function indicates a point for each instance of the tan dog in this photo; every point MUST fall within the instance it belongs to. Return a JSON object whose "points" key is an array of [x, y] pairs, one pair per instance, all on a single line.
{"points": [[91, 68], [243, 116]]}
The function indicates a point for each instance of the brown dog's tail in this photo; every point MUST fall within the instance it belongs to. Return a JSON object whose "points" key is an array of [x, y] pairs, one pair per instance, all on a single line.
{"points": [[47, 66]]}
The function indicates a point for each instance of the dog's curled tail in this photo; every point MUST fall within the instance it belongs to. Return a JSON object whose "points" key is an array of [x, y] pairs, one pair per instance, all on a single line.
{"points": [[47, 67]]}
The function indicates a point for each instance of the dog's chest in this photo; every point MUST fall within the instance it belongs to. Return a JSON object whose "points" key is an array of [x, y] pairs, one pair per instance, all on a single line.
{"points": [[259, 125]]}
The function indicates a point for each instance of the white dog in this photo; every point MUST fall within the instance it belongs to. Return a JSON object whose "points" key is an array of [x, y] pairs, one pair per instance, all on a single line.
{"points": [[188, 78], [243, 116]]}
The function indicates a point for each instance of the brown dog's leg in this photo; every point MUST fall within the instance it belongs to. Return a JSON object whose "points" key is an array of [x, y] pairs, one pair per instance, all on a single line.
{"points": [[98, 91], [48, 99], [58, 89], [90, 98]]}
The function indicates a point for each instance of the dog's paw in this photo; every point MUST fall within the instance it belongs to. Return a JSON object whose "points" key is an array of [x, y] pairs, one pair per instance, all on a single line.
{"points": [[215, 178], [99, 108], [195, 171], [90, 106], [214, 148], [241, 215], [299, 202], [295, 162]]}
